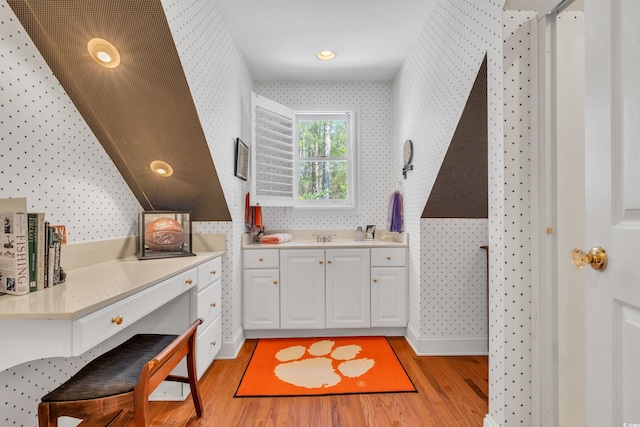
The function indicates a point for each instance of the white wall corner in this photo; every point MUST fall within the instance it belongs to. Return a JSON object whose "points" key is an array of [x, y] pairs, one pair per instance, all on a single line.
{"points": [[230, 349], [489, 422], [453, 346]]}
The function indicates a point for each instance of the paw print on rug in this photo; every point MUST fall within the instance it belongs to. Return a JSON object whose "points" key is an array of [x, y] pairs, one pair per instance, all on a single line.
{"points": [[316, 369]]}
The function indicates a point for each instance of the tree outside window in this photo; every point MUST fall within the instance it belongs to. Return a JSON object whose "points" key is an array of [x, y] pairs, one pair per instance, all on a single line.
{"points": [[323, 158]]}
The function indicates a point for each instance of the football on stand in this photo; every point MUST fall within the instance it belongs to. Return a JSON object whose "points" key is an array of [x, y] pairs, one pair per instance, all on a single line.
{"points": [[164, 234]]}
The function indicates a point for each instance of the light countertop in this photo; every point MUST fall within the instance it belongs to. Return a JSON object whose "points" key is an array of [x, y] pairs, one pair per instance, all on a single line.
{"points": [[336, 244], [340, 239], [92, 287]]}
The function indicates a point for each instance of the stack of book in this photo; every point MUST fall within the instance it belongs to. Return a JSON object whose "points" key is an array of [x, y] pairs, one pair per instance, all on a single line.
{"points": [[30, 256]]}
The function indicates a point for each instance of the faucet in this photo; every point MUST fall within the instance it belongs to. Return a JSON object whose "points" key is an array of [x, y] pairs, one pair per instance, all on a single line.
{"points": [[324, 239]]}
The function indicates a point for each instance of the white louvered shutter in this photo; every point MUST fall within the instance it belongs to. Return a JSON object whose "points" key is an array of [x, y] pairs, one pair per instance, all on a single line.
{"points": [[272, 153]]}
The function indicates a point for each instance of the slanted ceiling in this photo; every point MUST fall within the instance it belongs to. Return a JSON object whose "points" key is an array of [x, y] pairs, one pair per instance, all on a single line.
{"points": [[140, 111], [461, 187]]}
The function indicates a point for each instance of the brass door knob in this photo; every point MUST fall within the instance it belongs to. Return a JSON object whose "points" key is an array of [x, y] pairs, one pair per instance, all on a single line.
{"points": [[328, 261], [321, 262], [117, 320], [188, 281], [213, 304], [596, 258]]}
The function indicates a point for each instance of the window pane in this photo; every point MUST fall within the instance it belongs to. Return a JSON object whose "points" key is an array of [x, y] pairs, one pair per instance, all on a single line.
{"points": [[323, 180], [322, 138]]}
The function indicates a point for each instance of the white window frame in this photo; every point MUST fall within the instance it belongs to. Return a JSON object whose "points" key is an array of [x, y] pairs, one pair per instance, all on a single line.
{"points": [[351, 159], [264, 191]]}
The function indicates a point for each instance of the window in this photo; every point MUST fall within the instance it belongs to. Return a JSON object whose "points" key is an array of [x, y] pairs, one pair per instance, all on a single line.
{"points": [[303, 159], [324, 159]]}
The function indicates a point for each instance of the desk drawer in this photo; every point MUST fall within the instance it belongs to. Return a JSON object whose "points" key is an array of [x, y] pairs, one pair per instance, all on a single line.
{"points": [[261, 258], [208, 303], [209, 272], [96, 327], [208, 344], [388, 257]]}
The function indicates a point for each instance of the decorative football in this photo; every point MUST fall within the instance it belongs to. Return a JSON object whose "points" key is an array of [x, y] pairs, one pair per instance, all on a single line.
{"points": [[164, 234]]}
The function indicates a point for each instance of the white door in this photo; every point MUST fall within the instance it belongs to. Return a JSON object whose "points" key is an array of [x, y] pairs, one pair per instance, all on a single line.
{"points": [[613, 211], [302, 294], [348, 292], [261, 299], [389, 297]]}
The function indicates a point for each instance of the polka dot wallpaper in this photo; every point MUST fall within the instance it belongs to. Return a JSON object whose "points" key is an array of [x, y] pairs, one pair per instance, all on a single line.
{"points": [[373, 101], [515, 297], [49, 155], [221, 88], [428, 97], [454, 277]]}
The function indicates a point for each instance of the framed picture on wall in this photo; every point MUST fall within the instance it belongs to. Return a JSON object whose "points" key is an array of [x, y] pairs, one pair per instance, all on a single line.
{"points": [[242, 159]]}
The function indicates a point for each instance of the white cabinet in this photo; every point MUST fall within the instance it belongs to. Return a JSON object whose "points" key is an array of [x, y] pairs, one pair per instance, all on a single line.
{"points": [[209, 308], [388, 287], [302, 297], [261, 293], [347, 288], [329, 288]]}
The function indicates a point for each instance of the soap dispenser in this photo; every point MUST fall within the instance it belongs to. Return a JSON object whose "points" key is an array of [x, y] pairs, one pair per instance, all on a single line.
{"points": [[359, 234]]}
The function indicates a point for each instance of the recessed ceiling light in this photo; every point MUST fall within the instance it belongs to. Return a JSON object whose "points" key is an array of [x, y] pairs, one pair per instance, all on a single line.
{"points": [[103, 52], [161, 168], [326, 55]]}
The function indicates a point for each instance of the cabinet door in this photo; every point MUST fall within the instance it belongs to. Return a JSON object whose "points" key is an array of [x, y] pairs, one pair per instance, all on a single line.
{"points": [[261, 299], [388, 296], [302, 299], [348, 290]]}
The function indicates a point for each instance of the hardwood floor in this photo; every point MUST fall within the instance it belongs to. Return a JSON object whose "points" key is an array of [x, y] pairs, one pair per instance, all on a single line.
{"points": [[452, 391]]}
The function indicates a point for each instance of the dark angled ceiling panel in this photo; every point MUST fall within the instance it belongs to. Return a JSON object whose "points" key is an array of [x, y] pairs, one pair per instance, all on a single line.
{"points": [[140, 111], [461, 187]]}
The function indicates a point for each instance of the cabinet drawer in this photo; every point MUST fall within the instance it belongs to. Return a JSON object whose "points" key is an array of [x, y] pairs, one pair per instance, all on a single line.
{"points": [[96, 327], [209, 272], [208, 344], [208, 303], [388, 257], [261, 258]]}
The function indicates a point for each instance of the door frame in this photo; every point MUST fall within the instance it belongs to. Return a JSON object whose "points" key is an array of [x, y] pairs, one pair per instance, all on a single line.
{"points": [[544, 242]]}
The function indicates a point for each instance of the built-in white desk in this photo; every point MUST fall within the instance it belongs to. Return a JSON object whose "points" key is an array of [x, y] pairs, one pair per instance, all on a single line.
{"points": [[97, 302]]}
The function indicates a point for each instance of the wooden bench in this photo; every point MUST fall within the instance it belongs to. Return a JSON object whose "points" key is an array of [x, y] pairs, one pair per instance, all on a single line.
{"points": [[123, 379]]}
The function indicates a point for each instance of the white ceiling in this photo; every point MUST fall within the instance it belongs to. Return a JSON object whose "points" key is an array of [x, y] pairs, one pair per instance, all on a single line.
{"points": [[279, 39]]}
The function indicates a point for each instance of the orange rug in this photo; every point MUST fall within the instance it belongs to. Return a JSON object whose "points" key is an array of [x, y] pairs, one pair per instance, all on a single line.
{"points": [[323, 366]]}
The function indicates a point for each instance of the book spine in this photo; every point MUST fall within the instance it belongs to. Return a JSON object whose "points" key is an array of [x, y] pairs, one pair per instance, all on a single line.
{"points": [[33, 251], [47, 230], [56, 258], [40, 264], [14, 263]]}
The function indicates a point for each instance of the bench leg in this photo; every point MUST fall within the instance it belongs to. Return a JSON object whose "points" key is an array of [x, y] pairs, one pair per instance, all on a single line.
{"points": [[44, 416], [193, 379]]}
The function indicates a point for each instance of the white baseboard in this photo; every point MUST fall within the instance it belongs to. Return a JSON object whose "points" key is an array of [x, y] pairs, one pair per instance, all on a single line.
{"points": [[230, 349], [489, 422], [447, 346]]}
